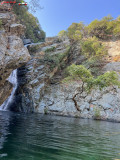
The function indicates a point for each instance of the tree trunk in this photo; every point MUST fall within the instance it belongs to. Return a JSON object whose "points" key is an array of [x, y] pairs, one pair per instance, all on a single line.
{"points": [[75, 102]]}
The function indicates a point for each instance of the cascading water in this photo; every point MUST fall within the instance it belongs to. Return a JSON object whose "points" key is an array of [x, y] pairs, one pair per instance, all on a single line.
{"points": [[12, 79]]}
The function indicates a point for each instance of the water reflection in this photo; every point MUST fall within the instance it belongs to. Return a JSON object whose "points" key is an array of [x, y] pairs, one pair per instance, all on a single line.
{"points": [[37, 137]]}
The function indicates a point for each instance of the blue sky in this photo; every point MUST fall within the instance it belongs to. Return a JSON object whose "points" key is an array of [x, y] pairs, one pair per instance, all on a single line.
{"points": [[58, 15]]}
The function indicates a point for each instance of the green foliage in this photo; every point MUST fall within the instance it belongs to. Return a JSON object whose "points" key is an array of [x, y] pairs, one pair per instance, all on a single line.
{"points": [[105, 28], [33, 28], [97, 113], [92, 47], [106, 80], [55, 60], [46, 110], [62, 34], [33, 48], [52, 49], [79, 72], [75, 31], [0, 24], [94, 64]]}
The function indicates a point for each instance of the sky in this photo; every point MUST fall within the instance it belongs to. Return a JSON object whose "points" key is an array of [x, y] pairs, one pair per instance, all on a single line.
{"points": [[58, 15]]}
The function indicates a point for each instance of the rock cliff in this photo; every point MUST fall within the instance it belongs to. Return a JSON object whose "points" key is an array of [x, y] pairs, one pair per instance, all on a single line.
{"points": [[13, 54], [39, 78], [40, 88], [103, 105]]}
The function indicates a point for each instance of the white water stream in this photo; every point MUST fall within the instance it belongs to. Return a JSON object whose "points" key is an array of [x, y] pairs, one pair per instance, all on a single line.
{"points": [[12, 79]]}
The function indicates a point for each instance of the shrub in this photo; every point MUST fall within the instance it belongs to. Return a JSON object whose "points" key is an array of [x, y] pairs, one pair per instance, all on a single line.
{"points": [[92, 47], [79, 72], [75, 31], [94, 64], [33, 48], [33, 28], [55, 60], [52, 49], [97, 113], [87, 82], [62, 34], [105, 28], [0, 24]]}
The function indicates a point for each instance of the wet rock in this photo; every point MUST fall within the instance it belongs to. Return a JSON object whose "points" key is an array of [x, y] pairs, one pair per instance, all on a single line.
{"points": [[13, 54]]}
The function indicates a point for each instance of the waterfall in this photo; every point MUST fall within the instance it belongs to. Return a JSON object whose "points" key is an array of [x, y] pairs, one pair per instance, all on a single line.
{"points": [[12, 79]]}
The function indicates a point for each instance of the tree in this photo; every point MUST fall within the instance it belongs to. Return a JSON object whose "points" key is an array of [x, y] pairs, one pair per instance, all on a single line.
{"points": [[108, 18], [62, 34], [91, 47], [33, 28], [88, 82], [75, 31]]}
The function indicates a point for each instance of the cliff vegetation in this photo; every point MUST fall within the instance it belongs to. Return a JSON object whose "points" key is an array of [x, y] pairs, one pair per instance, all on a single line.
{"points": [[33, 28]]}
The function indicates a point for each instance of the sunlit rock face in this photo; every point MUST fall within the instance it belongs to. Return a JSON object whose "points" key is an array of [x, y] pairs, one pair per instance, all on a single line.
{"points": [[105, 104], [13, 54]]}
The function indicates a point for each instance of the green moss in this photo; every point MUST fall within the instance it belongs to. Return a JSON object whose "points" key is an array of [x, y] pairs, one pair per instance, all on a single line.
{"points": [[52, 49]]}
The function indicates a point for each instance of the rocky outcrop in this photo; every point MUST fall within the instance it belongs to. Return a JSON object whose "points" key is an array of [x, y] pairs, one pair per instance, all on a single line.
{"points": [[13, 54], [30, 85], [105, 105], [35, 75]]}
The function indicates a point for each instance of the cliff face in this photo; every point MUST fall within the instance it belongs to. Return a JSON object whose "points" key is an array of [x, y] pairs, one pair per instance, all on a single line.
{"points": [[58, 99], [33, 77], [40, 89], [13, 54]]}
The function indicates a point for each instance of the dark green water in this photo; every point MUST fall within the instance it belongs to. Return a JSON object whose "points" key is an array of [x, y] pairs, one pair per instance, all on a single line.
{"points": [[38, 137]]}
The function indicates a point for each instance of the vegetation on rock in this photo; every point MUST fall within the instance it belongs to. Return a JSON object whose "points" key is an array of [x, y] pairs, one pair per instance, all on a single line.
{"points": [[87, 81], [56, 60], [105, 28], [0, 24], [52, 49], [33, 28], [91, 47], [62, 34], [75, 31]]}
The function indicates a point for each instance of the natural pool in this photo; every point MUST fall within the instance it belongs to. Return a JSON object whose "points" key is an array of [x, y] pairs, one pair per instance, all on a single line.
{"points": [[40, 137]]}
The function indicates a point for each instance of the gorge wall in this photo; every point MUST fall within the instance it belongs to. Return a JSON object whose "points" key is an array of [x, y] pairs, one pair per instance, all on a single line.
{"points": [[13, 54], [41, 89], [41, 70]]}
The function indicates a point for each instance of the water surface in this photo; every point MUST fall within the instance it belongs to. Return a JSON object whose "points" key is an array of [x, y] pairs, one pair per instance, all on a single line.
{"points": [[38, 137]]}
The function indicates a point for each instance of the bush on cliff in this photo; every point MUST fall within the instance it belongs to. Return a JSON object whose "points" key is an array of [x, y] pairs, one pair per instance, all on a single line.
{"points": [[87, 81], [57, 60], [75, 31], [33, 28], [105, 28], [0, 24], [92, 47], [62, 34]]}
